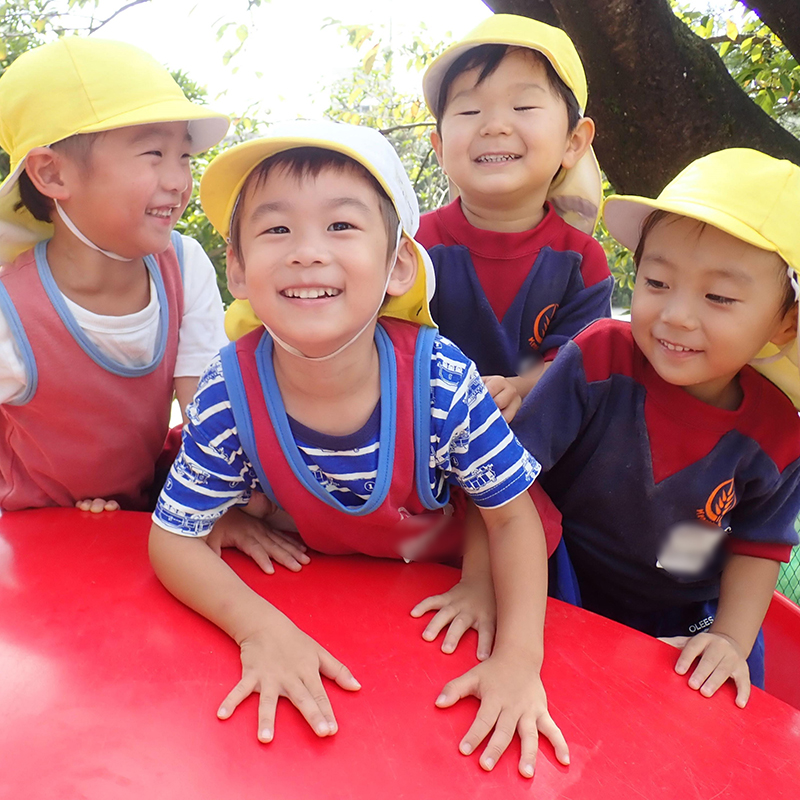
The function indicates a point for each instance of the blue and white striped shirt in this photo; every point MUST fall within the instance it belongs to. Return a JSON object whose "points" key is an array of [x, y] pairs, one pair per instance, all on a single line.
{"points": [[471, 445]]}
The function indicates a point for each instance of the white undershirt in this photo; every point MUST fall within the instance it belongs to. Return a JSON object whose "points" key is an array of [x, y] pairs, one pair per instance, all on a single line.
{"points": [[131, 339]]}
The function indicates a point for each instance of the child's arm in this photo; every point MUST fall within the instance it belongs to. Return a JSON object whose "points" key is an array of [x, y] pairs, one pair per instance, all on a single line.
{"points": [[508, 683], [278, 659], [471, 602], [745, 594]]}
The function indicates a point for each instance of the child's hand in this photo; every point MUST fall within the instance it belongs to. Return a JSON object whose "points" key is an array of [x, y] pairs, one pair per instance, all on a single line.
{"points": [[504, 394], [257, 539], [512, 699], [98, 505], [720, 658], [285, 662], [469, 604]]}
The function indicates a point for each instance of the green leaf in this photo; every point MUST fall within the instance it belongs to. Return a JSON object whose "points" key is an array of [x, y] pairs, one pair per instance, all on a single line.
{"points": [[242, 33], [731, 31]]}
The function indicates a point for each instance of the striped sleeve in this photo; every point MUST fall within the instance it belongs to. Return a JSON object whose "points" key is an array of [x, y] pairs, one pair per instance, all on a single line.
{"points": [[211, 472], [471, 443]]}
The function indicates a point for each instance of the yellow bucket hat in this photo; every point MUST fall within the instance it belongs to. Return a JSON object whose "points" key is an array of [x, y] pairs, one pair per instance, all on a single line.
{"points": [[576, 193], [225, 176], [746, 194], [77, 85]]}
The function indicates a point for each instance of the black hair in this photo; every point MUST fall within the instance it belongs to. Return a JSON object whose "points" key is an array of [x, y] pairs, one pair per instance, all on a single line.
{"points": [[78, 147], [487, 58], [309, 162], [653, 219]]}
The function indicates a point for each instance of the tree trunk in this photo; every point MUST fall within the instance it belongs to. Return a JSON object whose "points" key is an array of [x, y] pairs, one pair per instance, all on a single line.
{"points": [[660, 95]]}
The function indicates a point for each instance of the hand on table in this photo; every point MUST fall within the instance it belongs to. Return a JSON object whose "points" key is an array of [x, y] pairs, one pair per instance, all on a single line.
{"points": [[97, 506], [720, 658], [504, 394], [512, 699], [469, 604], [285, 662], [241, 529]]}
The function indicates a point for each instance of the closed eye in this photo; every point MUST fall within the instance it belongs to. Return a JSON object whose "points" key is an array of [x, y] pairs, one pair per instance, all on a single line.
{"points": [[467, 113], [525, 108], [154, 153], [721, 300], [653, 284]]}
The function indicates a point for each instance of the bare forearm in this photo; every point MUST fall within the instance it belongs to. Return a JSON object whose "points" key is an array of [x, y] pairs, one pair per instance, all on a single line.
{"points": [[185, 387], [745, 594], [193, 573]]}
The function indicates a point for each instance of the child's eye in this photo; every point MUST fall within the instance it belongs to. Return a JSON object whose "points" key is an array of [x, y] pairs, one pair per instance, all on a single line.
{"points": [[720, 300], [341, 226], [470, 113], [154, 153], [277, 229], [653, 284], [525, 108]]}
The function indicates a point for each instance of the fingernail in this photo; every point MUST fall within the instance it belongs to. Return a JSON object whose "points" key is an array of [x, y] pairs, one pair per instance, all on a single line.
{"points": [[265, 735], [440, 699], [465, 748], [527, 771], [323, 728], [565, 762], [487, 763], [223, 712], [356, 684]]}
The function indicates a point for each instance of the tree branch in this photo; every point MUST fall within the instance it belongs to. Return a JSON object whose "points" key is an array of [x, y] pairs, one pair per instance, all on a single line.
{"points": [[95, 28]]}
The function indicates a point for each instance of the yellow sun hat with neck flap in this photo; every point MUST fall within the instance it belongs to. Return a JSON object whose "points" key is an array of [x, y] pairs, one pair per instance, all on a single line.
{"points": [[747, 194], [225, 177], [74, 86], [576, 193]]}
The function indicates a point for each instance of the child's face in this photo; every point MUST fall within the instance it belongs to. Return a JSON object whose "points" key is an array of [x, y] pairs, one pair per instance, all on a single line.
{"points": [[704, 305], [134, 189], [314, 260], [505, 138]]}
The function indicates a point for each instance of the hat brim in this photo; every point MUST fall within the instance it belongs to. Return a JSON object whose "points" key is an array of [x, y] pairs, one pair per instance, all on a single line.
{"points": [[624, 216]]}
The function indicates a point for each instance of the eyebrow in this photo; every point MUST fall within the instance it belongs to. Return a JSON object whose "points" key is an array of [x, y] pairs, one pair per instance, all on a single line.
{"points": [[281, 205], [521, 86], [150, 131]]}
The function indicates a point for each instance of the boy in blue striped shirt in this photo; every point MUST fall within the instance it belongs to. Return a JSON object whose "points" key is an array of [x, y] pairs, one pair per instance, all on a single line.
{"points": [[352, 428]]}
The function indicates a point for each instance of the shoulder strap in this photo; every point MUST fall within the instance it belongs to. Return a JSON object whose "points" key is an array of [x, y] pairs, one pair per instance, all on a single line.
{"points": [[177, 243]]}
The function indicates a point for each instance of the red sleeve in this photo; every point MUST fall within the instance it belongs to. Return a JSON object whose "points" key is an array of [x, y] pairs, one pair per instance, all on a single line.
{"points": [[774, 552], [594, 266]]}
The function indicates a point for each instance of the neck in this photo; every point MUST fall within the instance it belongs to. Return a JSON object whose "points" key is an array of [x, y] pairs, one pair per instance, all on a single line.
{"points": [[94, 281], [506, 216], [336, 396]]}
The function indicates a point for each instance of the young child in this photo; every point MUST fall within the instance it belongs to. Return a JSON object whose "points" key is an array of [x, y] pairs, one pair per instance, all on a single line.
{"points": [[517, 271], [660, 443], [351, 426], [105, 313]]}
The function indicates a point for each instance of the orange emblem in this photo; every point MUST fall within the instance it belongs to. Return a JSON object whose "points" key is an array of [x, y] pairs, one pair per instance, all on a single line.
{"points": [[541, 324], [719, 503]]}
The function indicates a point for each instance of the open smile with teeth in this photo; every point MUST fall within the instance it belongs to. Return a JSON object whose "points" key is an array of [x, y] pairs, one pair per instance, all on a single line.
{"points": [[311, 292], [161, 213], [496, 158], [676, 347]]}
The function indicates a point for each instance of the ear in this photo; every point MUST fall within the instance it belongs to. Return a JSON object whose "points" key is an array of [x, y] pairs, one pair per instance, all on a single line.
{"points": [[436, 143], [787, 329], [234, 271], [46, 168], [578, 142], [405, 269]]}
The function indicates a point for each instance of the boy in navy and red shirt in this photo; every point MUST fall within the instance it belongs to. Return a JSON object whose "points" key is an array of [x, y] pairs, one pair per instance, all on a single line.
{"points": [[517, 271], [675, 464]]}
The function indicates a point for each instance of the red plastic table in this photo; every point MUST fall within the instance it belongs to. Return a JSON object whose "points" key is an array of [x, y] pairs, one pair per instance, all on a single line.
{"points": [[110, 687]]}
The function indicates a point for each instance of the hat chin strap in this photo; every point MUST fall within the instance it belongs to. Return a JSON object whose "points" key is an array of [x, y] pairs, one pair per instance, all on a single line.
{"points": [[74, 228], [295, 352]]}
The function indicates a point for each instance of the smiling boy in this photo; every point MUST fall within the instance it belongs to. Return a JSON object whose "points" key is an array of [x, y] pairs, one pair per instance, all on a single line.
{"points": [[352, 427], [106, 315], [657, 438]]}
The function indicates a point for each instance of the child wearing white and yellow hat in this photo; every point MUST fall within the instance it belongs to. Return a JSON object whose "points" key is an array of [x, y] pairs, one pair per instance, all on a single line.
{"points": [[675, 464], [350, 412], [105, 312]]}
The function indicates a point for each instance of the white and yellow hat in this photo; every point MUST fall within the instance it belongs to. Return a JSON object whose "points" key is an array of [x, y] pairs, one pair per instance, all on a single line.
{"points": [[77, 85], [746, 194], [575, 193], [224, 178]]}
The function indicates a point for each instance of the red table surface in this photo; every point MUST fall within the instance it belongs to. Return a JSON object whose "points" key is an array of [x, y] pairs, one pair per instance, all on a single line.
{"points": [[110, 688]]}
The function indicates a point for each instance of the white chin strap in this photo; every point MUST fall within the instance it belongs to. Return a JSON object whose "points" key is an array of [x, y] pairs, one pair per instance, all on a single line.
{"points": [[295, 352], [74, 228]]}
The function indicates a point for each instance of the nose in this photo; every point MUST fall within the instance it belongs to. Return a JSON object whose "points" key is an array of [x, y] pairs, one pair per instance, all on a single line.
{"points": [[307, 250], [495, 122], [177, 175], [678, 311]]}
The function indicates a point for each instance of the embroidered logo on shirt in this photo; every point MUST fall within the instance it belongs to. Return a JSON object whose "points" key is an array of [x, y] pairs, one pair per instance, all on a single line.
{"points": [[541, 324], [719, 503]]}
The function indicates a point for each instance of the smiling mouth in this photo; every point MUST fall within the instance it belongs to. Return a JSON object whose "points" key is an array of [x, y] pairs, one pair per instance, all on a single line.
{"points": [[311, 293], [677, 348], [496, 158], [161, 213]]}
